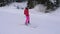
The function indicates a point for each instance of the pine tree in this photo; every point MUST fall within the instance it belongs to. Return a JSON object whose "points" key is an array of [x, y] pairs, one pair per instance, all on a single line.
{"points": [[30, 4]]}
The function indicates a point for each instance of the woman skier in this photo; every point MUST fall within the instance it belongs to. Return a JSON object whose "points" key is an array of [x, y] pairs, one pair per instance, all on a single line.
{"points": [[26, 13]]}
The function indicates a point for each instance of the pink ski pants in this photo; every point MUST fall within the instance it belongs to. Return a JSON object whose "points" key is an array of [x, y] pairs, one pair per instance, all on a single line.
{"points": [[27, 19]]}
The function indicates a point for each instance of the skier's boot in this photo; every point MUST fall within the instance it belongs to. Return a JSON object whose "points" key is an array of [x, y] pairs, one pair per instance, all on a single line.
{"points": [[26, 23]]}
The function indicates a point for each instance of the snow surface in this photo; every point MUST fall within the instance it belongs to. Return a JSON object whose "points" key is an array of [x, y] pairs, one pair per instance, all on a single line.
{"points": [[12, 18]]}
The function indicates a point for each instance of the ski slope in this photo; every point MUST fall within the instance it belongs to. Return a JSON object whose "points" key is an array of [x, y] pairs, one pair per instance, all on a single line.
{"points": [[11, 19]]}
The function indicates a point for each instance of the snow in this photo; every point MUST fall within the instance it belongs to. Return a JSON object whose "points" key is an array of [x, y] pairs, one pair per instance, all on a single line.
{"points": [[12, 18]]}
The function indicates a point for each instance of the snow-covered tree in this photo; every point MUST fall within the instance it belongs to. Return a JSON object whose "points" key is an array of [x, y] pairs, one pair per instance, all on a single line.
{"points": [[50, 4]]}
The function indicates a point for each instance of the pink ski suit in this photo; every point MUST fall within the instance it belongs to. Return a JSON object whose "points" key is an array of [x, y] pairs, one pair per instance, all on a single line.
{"points": [[26, 13]]}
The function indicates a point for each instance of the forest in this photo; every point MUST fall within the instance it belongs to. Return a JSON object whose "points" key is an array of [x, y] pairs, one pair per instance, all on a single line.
{"points": [[50, 4]]}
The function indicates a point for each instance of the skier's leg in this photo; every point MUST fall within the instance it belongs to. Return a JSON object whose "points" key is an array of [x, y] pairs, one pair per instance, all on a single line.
{"points": [[26, 20]]}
